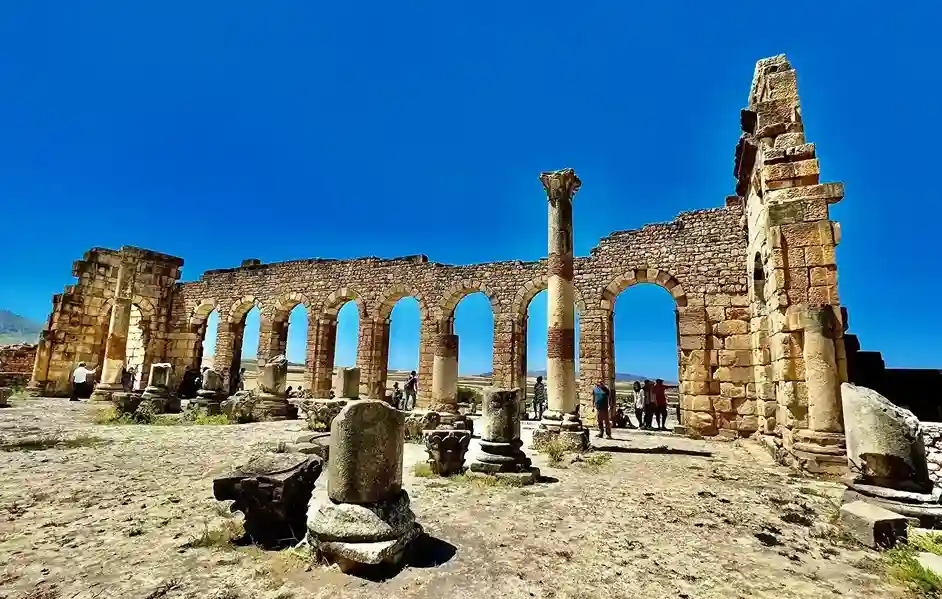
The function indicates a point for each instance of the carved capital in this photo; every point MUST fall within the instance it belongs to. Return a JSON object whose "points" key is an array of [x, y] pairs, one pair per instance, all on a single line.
{"points": [[560, 185]]}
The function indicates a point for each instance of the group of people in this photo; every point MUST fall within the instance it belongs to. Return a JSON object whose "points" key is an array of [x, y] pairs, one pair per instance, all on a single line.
{"points": [[404, 399], [648, 399]]}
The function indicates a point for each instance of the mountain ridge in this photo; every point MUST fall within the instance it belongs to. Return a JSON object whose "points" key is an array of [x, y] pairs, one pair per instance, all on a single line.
{"points": [[18, 329]]}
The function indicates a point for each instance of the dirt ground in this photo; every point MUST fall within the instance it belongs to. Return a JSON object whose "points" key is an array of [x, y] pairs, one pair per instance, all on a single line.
{"points": [[112, 514]]}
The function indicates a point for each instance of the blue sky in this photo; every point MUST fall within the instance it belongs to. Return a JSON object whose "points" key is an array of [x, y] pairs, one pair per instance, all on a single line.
{"points": [[218, 131]]}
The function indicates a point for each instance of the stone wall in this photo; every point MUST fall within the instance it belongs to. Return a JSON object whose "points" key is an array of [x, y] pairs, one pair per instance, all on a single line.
{"points": [[748, 279], [16, 364], [932, 438]]}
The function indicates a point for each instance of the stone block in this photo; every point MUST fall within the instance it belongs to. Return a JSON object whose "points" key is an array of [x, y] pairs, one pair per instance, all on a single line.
{"points": [[346, 383], [366, 445], [160, 375], [872, 525], [727, 328], [272, 378], [273, 491], [738, 342]]}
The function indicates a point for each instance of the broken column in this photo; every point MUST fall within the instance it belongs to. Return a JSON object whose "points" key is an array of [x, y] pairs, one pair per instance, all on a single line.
{"points": [[821, 447], [887, 457], [272, 403], [562, 417], [364, 517], [445, 381], [117, 341], [210, 395], [158, 389], [501, 455]]}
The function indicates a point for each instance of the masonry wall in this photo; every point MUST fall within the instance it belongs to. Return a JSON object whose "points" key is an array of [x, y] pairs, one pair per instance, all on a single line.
{"points": [[16, 364]]}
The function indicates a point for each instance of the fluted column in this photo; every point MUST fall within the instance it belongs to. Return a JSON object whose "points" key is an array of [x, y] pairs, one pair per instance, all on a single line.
{"points": [[117, 342]]}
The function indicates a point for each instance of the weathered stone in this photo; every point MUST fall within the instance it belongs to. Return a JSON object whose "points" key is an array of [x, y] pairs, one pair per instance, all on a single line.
{"points": [[316, 443], [366, 441], [240, 408], [347, 383], [321, 412], [417, 422], [273, 491], [500, 444], [884, 441], [354, 523], [273, 377], [5, 394], [126, 403], [446, 450], [873, 526]]}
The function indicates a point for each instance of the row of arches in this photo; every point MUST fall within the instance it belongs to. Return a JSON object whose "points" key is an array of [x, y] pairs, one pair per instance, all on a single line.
{"points": [[646, 339]]}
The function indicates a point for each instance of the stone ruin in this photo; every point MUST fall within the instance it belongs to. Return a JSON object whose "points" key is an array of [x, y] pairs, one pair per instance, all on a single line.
{"points": [[761, 334], [501, 454], [321, 412]]}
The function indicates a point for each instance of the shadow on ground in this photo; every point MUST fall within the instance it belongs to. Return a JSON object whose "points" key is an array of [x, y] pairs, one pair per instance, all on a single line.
{"points": [[662, 449]]}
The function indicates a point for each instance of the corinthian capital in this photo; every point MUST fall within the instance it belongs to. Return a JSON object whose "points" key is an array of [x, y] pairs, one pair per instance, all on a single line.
{"points": [[560, 184]]}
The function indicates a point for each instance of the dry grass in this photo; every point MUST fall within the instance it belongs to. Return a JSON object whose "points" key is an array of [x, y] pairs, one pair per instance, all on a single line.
{"points": [[554, 450], [50, 442], [422, 470], [223, 534]]}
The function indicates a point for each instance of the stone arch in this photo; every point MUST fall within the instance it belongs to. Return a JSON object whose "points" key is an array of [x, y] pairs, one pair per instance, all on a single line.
{"points": [[532, 288], [643, 275], [336, 300], [389, 297], [241, 307], [200, 313], [461, 289]]}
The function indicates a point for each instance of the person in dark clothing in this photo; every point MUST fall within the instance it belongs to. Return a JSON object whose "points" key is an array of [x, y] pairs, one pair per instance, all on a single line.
{"points": [[601, 396], [648, 404], [412, 384], [660, 403]]}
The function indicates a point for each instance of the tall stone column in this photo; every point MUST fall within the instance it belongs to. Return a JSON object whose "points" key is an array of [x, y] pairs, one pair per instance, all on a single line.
{"points": [[445, 374], [117, 342], [561, 386], [324, 356], [37, 382], [821, 447]]}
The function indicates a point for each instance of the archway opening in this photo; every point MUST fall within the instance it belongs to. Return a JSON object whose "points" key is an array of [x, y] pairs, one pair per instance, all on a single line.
{"points": [[646, 349], [134, 350], [295, 348], [537, 329], [245, 347], [474, 326], [348, 334], [403, 352]]}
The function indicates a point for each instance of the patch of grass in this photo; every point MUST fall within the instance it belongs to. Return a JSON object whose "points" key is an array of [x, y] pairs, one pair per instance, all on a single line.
{"points": [[222, 535], [110, 415], [203, 419], [594, 461], [902, 566], [930, 542], [810, 491], [553, 449], [422, 469], [50, 442], [483, 482]]}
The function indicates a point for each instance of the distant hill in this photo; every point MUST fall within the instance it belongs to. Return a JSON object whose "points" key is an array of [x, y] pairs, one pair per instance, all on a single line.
{"points": [[619, 376], [18, 329]]}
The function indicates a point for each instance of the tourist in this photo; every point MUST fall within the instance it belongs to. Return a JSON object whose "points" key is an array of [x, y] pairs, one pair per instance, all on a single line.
{"points": [[81, 386], [240, 382], [539, 398], [397, 396], [125, 379], [289, 392], [648, 403], [602, 398], [638, 396], [411, 385], [660, 403], [620, 420]]}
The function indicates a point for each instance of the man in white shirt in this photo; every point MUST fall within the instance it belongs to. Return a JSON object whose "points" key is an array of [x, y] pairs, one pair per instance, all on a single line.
{"points": [[81, 385]]}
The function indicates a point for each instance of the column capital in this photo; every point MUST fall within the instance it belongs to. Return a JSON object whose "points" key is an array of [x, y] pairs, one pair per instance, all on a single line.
{"points": [[560, 185]]}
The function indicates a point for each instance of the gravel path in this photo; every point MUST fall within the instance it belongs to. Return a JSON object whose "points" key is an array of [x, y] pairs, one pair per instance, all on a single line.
{"points": [[112, 514]]}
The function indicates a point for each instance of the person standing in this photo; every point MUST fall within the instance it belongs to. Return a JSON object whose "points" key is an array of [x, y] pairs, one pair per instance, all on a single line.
{"points": [[638, 396], [397, 396], [241, 382], [660, 403], [412, 384], [648, 404], [539, 398], [81, 385], [602, 398]]}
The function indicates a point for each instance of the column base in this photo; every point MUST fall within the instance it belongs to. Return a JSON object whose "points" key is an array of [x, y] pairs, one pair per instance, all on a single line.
{"points": [[272, 407], [35, 389], [821, 453], [574, 440], [104, 391]]}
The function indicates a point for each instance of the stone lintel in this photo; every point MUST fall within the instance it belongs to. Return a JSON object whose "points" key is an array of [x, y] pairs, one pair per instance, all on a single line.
{"points": [[832, 193]]}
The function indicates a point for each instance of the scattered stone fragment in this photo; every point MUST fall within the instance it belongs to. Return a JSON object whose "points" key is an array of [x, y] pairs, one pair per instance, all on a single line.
{"points": [[872, 525]]}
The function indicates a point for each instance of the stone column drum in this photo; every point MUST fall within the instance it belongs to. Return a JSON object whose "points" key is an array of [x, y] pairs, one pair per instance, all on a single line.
{"points": [[445, 374], [364, 517], [821, 447], [210, 395], [347, 383], [117, 341], [37, 382], [272, 401], [501, 455], [562, 416], [158, 392]]}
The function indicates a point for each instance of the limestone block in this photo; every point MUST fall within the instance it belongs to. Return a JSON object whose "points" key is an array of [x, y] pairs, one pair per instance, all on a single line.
{"points": [[745, 407], [723, 404], [273, 491], [884, 441], [732, 390], [727, 328], [820, 255], [366, 446], [701, 423], [692, 321], [801, 169], [212, 380], [346, 383], [737, 342], [792, 394], [872, 525], [272, 378], [733, 374], [352, 523]]}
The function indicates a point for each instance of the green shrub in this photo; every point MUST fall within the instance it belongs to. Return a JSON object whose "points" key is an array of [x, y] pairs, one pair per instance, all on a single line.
{"points": [[554, 449], [422, 470]]}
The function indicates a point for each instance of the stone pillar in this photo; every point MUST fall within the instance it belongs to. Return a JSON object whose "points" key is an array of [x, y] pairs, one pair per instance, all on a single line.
{"points": [[117, 342], [272, 399], [210, 395], [501, 455], [324, 356], [820, 448], [561, 386], [158, 391], [364, 485], [445, 374], [372, 356], [37, 382], [347, 383]]}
